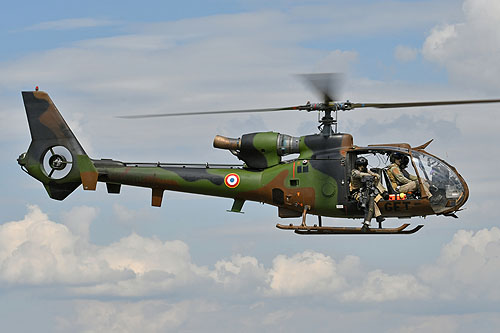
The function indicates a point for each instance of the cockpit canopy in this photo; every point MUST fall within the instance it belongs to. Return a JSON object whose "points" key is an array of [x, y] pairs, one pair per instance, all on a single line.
{"points": [[449, 190]]}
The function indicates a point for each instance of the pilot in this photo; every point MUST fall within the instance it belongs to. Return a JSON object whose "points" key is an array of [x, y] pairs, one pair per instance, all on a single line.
{"points": [[360, 170], [404, 164], [401, 180]]}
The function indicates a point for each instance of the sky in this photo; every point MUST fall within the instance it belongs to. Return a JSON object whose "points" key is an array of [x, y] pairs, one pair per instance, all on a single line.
{"points": [[112, 263]]}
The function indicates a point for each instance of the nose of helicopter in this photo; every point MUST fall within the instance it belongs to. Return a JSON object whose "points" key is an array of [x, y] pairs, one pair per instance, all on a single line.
{"points": [[450, 196], [449, 190]]}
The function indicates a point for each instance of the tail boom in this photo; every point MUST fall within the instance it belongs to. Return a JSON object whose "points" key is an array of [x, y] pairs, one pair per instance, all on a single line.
{"points": [[187, 178]]}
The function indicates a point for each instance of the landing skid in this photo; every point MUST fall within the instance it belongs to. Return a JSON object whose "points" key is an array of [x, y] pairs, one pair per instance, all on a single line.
{"points": [[315, 230]]}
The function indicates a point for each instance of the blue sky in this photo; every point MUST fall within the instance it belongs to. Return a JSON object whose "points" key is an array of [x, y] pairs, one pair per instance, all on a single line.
{"points": [[97, 262]]}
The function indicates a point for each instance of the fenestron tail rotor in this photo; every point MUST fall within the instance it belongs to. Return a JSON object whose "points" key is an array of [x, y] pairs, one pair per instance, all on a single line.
{"points": [[57, 162]]}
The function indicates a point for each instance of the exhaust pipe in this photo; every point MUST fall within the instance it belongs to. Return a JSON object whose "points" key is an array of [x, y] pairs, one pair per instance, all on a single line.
{"points": [[222, 142]]}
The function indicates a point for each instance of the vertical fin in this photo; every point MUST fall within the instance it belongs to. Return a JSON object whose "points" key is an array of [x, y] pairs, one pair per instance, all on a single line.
{"points": [[54, 149], [46, 123]]}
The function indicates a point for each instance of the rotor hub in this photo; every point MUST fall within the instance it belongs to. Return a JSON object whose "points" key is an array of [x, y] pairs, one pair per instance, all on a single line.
{"points": [[57, 162]]}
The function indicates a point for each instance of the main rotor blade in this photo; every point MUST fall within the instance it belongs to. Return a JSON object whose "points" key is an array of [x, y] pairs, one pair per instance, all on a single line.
{"points": [[417, 104], [328, 85], [287, 108]]}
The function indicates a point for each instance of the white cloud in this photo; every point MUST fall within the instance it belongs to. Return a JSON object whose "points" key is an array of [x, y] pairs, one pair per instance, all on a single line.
{"points": [[404, 53], [468, 266], [303, 274], [337, 61], [142, 316], [209, 316], [472, 322], [469, 49], [133, 42], [127, 216], [70, 24], [241, 272], [37, 251], [382, 17], [158, 267], [137, 270], [437, 324], [381, 287], [78, 220], [435, 45], [196, 64]]}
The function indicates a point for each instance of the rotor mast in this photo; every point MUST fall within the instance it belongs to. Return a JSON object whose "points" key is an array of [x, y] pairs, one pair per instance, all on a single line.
{"points": [[328, 86], [327, 122]]}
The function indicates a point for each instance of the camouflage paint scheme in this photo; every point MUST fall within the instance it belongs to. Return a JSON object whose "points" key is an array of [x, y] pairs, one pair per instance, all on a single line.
{"points": [[318, 179]]}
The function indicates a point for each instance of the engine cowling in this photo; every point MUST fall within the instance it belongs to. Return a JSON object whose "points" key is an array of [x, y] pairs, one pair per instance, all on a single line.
{"points": [[260, 150]]}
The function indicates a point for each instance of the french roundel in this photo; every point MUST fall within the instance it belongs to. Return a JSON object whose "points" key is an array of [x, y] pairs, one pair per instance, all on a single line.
{"points": [[232, 180]]}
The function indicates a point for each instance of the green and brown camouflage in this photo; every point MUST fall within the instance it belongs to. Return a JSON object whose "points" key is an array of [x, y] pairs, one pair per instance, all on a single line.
{"points": [[316, 182]]}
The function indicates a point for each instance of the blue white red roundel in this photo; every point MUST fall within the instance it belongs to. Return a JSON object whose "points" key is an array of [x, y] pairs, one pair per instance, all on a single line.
{"points": [[232, 180]]}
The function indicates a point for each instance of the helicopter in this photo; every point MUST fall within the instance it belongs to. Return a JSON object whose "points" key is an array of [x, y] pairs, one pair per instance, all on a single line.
{"points": [[317, 182]]}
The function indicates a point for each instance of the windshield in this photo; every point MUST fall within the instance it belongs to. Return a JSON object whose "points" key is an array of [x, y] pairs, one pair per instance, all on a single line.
{"points": [[446, 188]]}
